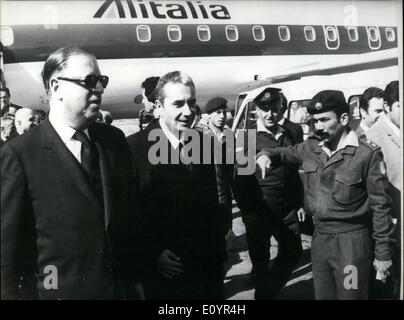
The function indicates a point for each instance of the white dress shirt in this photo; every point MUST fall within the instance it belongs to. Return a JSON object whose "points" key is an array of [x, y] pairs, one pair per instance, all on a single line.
{"points": [[170, 136], [66, 134]]}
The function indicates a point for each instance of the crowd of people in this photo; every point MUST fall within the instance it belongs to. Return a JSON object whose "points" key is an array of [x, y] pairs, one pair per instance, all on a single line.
{"points": [[88, 213]]}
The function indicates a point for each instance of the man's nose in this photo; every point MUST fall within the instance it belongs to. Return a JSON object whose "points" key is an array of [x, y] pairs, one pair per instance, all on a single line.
{"points": [[99, 88], [319, 126], [186, 110]]}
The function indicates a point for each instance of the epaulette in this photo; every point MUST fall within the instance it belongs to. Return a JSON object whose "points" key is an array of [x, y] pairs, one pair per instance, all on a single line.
{"points": [[369, 144]]}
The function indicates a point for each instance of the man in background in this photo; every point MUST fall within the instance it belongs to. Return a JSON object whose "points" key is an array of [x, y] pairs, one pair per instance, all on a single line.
{"points": [[25, 119], [8, 130], [281, 198], [295, 129], [371, 107], [216, 108], [6, 106], [147, 114], [386, 133]]}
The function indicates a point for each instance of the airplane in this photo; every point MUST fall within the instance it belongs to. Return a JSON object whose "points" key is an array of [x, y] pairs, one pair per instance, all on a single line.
{"points": [[227, 47]]}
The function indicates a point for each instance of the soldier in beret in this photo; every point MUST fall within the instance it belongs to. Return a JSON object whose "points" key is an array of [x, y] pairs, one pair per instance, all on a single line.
{"points": [[280, 196], [345, 187], [216, 109]]}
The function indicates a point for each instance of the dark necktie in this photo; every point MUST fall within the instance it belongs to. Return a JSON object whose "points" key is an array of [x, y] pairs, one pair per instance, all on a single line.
{"points": [[87, 151]]}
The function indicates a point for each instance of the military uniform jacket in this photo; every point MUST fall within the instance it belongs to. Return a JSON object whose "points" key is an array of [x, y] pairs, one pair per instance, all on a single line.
{"points": [[345, 192]]}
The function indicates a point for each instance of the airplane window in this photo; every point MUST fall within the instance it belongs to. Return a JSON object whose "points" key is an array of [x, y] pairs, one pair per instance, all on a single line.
{"points": [[373, 34], [6, 36], [232, 33], [310, 33], [258, 33], [390, 34], [284, 33], [143, 33], [174, 33], [331, 33], [353, 34], [203, 33]]}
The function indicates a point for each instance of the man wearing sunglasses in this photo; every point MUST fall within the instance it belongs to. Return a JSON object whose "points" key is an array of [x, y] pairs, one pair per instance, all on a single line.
{"points": [[66, 214]]}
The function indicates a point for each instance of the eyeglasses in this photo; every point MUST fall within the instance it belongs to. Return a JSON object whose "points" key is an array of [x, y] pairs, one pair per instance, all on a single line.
{"points": [[90, 81]]}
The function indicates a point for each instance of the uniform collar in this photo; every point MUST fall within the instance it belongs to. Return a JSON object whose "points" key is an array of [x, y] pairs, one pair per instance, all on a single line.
{"points": [[348, 138]]}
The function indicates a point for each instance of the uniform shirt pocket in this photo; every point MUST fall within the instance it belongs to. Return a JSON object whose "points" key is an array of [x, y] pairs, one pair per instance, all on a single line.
{"points": [[310, 169], [348, 188]]}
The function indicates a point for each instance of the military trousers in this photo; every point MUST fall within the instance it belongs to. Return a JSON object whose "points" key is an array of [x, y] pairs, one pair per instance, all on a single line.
{"points": [[341, 265]]}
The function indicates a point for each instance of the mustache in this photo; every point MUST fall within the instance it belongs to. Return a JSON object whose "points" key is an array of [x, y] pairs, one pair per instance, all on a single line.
{"points": [[321, 134]]}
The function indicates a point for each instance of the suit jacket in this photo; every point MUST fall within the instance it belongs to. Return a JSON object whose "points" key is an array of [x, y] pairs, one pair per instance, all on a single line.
{"points": [[180, 207], [383, 135], [295, 131], [51, 217]]}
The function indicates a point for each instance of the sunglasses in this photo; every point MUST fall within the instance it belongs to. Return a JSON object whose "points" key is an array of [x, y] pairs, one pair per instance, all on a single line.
{"points": [[90, 81]]}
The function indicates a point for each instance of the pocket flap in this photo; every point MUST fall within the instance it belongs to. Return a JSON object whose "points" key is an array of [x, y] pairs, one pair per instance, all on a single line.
{"points": [[310, 167], [348, 178]]}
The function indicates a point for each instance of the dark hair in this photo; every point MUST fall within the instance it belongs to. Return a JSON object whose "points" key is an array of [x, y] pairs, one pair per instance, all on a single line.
{"points": [[149, 86], [369, 94], [173, 77], [391, 93], [5, 89], [57, 61], [284, 103]]}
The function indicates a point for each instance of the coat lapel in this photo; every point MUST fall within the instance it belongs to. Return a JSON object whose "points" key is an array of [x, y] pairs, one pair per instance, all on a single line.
{"points": [[68, 163], [391, 134]]}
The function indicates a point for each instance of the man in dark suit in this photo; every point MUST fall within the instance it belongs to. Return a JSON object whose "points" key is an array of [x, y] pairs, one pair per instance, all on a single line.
{"points": [[182, 230], [66, 213]]}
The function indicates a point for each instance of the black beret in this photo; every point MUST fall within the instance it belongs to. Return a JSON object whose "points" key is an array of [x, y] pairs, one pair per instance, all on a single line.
{"points": [[216, 104], [328, 100], [267, 98]]}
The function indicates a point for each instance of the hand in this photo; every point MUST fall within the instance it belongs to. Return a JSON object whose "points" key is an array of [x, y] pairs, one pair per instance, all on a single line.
{"points": [[264, 163], [301, 215], [383, 268], [169, 265]]}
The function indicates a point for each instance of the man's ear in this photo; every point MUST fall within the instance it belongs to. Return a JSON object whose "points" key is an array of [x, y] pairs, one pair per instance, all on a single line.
{"points": [[362, 112], [54, 88], [344, 119]]}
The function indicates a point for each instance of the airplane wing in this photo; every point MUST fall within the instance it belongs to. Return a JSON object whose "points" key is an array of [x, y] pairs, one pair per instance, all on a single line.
{"points": [[373, 60]]}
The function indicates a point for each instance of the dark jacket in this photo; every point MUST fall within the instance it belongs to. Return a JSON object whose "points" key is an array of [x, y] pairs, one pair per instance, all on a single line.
{"points": [[180, 207], [295, 131], [51, 216], [282, 184]]}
